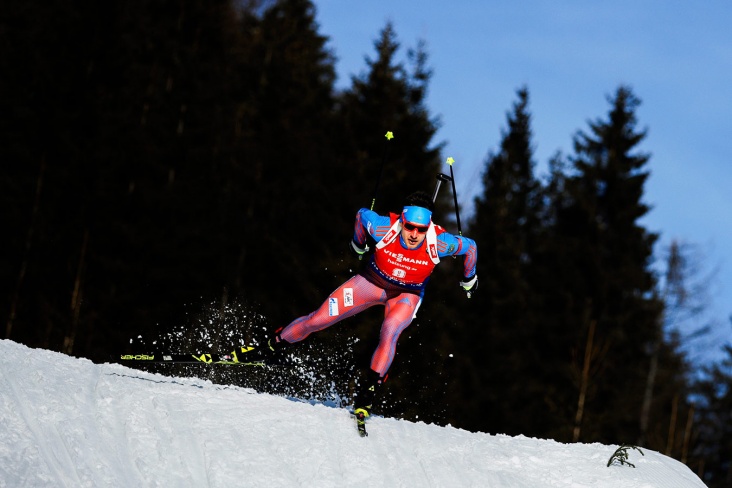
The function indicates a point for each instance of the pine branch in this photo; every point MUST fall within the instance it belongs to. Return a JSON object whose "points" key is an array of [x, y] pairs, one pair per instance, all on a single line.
{"points": [[620, 456]]}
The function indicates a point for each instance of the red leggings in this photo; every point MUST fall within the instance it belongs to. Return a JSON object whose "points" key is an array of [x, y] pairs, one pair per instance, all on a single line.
{"points": [[352, 297]]}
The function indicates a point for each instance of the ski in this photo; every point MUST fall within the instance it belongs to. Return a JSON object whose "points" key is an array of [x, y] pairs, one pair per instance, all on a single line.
{"points": [[361, 422], [231, 358]]}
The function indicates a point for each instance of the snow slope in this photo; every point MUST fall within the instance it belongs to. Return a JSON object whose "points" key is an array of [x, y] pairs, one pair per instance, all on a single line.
{"points": [[70, 422]]}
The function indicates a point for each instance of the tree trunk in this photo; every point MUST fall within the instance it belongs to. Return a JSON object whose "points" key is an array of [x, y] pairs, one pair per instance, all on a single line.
{"points": [[68, 346], [584, 383], [648, 395], [672, 426]]}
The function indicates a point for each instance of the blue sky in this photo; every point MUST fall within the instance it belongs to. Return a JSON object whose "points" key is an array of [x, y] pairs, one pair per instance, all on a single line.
{"points": [[572, 55]]}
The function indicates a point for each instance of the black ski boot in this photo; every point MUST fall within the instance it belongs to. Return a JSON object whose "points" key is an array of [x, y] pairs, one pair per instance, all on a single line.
{"points": [[365, 394], [270, 352]]}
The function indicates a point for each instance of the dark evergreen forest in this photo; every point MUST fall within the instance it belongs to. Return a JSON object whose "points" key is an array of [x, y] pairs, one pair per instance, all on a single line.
{"points": [[184, 174]]}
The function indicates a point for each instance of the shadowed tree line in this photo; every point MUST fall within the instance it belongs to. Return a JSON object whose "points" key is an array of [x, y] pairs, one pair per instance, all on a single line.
{"points": [[178, 154]]}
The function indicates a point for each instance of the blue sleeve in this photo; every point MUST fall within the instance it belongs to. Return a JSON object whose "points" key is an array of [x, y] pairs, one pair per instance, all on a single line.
{"points": [[370, 223], [452, 245]]}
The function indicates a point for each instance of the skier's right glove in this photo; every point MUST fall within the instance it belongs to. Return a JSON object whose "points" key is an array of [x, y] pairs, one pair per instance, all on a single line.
{"points": [[470, 285], [357, 250]]}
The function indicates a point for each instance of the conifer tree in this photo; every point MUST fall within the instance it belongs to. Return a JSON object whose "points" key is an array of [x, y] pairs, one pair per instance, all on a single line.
{"points": [[163, 99], [505, 225], [388, 97], [711, 453], [666, 378], [614, 313], [127, 141], [285, 125]]}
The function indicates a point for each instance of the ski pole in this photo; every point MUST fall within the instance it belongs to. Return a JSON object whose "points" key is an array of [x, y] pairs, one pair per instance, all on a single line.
{"points": [[449, 161], [389, 136]]}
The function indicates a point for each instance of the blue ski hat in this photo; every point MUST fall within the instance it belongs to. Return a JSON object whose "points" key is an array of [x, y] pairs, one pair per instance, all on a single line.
{"points": [[416, 215]]}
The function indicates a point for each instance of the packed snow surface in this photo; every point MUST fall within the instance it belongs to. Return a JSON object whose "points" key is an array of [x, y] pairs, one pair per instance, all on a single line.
{"points": [[69, 422]]}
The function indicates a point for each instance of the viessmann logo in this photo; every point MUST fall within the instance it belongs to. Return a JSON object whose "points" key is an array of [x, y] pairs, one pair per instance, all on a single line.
{"points": [[401, 258]]}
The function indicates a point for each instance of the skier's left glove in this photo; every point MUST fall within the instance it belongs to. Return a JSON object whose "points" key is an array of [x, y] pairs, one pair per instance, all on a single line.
{"points": [[358, 251], [470, 285]]}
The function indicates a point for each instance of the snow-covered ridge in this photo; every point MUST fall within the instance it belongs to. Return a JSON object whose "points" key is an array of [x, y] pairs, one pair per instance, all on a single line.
{"points": [[70, 422]]}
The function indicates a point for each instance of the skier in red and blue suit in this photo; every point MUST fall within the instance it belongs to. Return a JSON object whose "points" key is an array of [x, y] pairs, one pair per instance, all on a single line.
{"points": [[408, 246]]}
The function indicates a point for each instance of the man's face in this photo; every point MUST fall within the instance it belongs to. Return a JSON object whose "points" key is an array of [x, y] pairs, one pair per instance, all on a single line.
{"points": [[413, 235]]}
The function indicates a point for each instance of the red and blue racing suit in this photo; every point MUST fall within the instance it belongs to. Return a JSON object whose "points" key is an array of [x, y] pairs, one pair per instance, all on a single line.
{"points": [[395, 277]]}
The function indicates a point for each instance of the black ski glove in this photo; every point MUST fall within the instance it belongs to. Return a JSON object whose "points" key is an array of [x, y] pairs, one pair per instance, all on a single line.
{"points": [[357, 250]]}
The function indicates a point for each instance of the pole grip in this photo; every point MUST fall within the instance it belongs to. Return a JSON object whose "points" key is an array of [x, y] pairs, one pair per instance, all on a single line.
{"points": [[440, 178]]}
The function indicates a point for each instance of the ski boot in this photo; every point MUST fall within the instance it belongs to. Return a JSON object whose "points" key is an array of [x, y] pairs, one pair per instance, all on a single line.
{"points": [[269, 353], [365, 394]]}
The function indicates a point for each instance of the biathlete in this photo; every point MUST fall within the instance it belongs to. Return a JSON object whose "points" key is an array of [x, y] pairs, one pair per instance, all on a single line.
{"points": [[408, 246]]}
